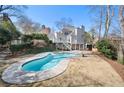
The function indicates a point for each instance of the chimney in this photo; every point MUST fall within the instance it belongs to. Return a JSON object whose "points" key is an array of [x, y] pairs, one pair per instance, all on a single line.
{"points": [[43, 27]]}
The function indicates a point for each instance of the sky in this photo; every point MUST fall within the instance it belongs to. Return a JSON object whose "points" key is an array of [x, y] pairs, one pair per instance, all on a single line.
{"points": [[80, 14], [48, 15]]}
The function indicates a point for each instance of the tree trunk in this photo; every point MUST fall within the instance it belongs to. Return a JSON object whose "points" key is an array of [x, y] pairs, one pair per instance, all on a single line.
{"points": [[121, 48], [100, 26], [107, 23]]}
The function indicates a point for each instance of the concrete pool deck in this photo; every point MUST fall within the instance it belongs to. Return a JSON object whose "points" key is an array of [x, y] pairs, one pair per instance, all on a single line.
{"points": [[90, 70]]}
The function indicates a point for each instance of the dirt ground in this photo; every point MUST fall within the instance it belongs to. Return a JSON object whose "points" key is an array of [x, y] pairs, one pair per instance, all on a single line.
{"points": [[90, 70], [119, 68]]}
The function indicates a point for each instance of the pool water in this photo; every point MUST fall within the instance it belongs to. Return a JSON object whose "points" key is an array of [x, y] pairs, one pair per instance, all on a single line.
{"points": [[46, 62]]}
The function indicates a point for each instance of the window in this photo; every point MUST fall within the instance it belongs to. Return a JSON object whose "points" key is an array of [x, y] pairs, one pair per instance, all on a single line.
{"points": [[60, 39], [66, 33]]}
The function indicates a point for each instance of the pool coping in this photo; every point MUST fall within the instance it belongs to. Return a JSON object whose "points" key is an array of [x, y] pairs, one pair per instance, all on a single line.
{"points": [[15, 75]]}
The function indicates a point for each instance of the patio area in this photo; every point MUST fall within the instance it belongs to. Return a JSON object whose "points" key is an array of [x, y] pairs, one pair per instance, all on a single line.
{"points": [[90, 70]]}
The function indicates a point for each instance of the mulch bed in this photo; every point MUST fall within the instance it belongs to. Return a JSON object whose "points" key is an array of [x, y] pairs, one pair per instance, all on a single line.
{"points": [[119, 68]]}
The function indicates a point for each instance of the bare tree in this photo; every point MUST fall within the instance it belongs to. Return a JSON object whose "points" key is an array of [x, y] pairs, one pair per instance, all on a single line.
{"points": [[36, 27], [121, 48], [12, 10], [28, 26], [103, 18], [63, 22], [108, 20], [97, 12], [100, 23], [25, 24]]}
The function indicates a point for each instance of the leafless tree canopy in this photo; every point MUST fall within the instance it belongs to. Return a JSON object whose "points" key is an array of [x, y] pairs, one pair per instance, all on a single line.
{"points": [[27, 25], [12, 10], [63, 22]]}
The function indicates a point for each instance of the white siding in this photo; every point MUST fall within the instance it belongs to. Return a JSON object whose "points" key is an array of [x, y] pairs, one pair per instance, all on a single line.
{"points": [[80, 38], [75, 38]]}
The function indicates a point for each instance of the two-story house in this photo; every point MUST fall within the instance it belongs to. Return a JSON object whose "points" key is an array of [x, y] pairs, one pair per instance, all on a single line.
{"points": [[70, 38]]}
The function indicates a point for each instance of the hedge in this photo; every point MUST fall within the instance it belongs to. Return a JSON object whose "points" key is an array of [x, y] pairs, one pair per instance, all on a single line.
{"points": [[20, 47]]}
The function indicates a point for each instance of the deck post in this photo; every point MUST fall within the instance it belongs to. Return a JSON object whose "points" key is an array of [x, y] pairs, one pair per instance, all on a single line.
{"points": [[75, 46], [79, 46]]}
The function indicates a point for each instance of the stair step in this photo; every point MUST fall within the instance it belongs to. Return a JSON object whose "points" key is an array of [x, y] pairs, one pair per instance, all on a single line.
{"points": [[67, 46]]}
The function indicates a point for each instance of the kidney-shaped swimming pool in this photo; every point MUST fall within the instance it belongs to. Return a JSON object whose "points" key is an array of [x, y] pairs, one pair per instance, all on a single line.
{"points": [[46, 62]]}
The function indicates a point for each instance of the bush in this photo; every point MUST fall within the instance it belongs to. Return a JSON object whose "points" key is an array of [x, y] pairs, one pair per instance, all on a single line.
{"points": [[107, 48], [41, 37], [16, 48], [39, 50], [28, 38], [30, 49]]}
